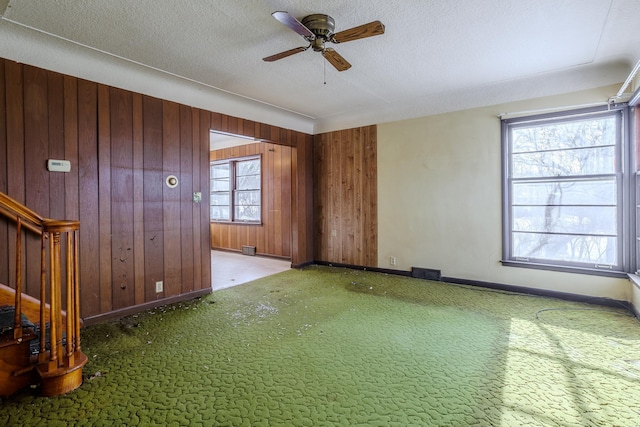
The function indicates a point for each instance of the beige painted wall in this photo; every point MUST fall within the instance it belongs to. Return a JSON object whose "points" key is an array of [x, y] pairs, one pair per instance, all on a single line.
{"points": [[439, 198]]}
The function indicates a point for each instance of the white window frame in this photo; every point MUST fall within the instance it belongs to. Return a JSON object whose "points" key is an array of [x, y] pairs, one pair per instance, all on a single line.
{"points": [[625, 209], [234, 190]]}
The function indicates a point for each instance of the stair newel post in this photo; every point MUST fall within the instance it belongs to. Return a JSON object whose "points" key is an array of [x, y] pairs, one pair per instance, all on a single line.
{"points": [[58, 369], [17, 320]]}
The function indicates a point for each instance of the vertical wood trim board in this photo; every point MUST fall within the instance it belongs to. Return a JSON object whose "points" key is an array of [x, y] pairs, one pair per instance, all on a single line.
{"points": [[36, 137], [345, 196], [302, 228]]}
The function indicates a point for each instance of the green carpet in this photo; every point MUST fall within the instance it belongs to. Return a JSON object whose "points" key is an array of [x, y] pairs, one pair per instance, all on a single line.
{"points": [[325, 346]]}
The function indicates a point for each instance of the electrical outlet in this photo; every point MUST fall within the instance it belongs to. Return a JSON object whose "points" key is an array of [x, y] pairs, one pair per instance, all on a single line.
{"points": [[392, 260], [159, 286], [334, 233]]}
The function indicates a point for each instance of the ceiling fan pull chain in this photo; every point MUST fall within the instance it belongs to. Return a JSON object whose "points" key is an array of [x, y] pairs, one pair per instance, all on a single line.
{"points": [[324, 69]]}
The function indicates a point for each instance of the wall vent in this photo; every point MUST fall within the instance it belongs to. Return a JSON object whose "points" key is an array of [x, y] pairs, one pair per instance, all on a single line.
{"points": [[426, 273], [248, 250]]}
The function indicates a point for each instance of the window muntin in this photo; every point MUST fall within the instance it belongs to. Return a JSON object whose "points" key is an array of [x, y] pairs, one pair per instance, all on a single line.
{"points": [[563, 191], [236, 190]]}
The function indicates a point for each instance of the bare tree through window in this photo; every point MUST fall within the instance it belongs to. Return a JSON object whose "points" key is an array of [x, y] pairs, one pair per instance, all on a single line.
{"points": [[564, 190]]}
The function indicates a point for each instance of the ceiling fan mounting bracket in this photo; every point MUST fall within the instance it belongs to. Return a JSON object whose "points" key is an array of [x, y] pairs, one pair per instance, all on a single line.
{"points": [[322, 26]]}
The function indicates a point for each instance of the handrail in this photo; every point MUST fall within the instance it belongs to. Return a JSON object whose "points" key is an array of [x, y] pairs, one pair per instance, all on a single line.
{"points": [[13, 210], [61, 359]]}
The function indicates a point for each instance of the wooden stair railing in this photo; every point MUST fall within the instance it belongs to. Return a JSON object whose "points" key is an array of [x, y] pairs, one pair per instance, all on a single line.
{"points": [[58, 366]]}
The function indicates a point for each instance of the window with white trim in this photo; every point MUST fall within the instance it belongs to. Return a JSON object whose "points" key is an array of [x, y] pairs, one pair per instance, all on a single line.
{"points": [[566, 191], [236, 190]]}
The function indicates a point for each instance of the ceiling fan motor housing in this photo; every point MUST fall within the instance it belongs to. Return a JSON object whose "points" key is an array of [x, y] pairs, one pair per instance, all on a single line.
{"points": [[322, 26]]}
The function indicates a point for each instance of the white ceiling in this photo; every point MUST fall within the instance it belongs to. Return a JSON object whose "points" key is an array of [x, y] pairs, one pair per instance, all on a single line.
{"points": [[435, 56]]}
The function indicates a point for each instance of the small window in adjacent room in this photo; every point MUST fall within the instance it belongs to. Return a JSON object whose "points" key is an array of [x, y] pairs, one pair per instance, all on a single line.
{"points": [[236, 190], [565, 195]]}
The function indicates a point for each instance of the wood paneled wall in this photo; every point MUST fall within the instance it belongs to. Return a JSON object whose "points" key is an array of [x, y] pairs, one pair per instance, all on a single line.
{"points": [[273, 236], [345, 197], [134, 230]]}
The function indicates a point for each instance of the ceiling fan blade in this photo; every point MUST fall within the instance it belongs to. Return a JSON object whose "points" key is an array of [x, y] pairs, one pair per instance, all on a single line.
{"points": [[336, 59], [294, 24], [374, 28], [285, 54]]}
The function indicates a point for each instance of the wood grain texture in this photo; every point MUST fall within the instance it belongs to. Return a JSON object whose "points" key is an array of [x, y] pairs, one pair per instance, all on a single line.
{"points": [[345, 194], [55, 135], [273, 236], [55, 106], [205, 267], [196, 207], [121, 177], [104, 198], [171, 198], [122, 145], [303, 200], [88, 198], [152, 188], [296, 238], [186, 196], [369, 224], [14, 98], [36, 146], [70, 132], [138, 199]]}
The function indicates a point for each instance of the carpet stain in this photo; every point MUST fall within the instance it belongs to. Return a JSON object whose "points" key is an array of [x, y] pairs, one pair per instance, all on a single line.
{"points": [[331, 346]]}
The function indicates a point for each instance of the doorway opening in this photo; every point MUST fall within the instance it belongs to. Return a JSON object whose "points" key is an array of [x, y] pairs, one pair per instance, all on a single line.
{"points": [[232, 192]]}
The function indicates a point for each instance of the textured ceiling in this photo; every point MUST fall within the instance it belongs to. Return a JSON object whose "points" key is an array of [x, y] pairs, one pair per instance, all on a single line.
{"points": [[436, 56]]}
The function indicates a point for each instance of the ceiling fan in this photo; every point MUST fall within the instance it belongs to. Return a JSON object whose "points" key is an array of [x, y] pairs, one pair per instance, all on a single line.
{"points": [[318, 29]]}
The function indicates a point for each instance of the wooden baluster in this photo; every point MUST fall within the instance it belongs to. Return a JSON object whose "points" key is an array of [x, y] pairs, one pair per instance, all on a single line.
{"points": [[43, 299], [58, 312], [70, 308], [54, 279], [17, 320], [60, 368], [76, 288]]}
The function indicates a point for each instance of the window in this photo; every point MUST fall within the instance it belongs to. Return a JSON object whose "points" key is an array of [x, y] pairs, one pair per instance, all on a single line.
{"points": [[566, 195], [235, 190]]}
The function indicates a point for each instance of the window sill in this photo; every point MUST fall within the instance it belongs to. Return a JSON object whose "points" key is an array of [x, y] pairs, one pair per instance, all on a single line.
{"points": [[635, 279], [236, 223], [563, 269]]}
